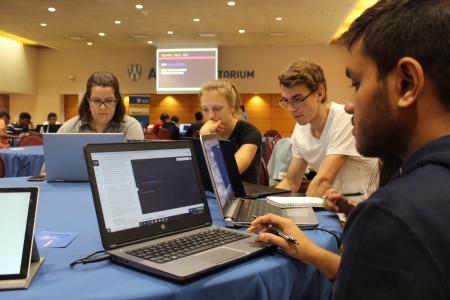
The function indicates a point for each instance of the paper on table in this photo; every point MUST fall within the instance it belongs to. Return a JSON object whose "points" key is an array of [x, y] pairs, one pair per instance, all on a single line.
{"points": [[50, 239], [290, 202]]}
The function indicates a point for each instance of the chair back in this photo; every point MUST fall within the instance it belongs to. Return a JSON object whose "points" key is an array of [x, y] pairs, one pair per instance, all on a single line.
{"points": [[164, 134], [263, 174], [272, 133], [2, 168], [31, 140], [150, 136]]}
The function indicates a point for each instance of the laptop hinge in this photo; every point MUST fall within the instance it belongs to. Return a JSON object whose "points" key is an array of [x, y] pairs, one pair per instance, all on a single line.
{"points": [[235, 208], [124, 244]]}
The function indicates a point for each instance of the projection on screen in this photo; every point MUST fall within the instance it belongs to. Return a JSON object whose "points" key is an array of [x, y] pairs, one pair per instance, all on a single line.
{"points": [[182, 71]]}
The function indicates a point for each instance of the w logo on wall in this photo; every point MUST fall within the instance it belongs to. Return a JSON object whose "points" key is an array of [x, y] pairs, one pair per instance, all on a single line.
{"points": [[134, 71]]}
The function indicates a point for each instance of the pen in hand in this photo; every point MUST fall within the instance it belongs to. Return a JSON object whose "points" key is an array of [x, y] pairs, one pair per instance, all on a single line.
{"points": [[278, 231]]}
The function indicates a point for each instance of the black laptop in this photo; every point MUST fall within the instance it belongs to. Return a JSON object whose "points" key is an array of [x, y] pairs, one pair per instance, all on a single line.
{"points": [[240, 188], [153, 214]]}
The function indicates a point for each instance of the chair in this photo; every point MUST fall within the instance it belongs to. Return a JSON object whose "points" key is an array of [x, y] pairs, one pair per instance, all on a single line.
{"points": [[263, 174], [2, 168], [164, 134], [31, 140], [150, 136], [272, 133]]}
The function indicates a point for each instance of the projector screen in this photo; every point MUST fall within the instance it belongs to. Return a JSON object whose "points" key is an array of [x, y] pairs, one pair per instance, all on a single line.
{"points": [[182, 71]]}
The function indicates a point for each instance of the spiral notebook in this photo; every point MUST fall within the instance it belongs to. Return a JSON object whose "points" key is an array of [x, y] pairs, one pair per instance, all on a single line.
{"points": [[291, 202]]}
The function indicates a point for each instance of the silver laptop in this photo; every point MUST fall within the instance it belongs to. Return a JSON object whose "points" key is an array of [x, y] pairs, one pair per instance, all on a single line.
{"points": [[152, 211], [238, 211], [63, 154], [19, 259]]}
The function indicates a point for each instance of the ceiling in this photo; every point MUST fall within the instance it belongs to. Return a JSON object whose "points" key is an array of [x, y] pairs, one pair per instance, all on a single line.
{"points": [[76, 22]]}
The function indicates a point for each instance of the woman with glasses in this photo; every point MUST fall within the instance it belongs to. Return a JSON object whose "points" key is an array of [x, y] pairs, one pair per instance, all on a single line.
{"points": [[322, 137], [219, 101], [102, 110]]}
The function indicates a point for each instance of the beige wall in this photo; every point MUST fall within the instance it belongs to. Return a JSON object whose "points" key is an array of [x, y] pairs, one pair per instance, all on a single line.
{"points": [[44, 75]]}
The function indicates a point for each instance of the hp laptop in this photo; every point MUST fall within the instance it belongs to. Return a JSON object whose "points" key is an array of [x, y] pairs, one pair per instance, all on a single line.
{"points": [[19, 258], [238, 211], [241, 188], [153, 214], [63, 154]]}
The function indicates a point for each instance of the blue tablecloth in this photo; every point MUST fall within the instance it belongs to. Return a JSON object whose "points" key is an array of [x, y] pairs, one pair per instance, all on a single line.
{"points": [[68, 207], [22, 161]]}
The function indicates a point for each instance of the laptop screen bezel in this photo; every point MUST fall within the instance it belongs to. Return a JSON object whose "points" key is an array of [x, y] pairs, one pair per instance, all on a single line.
{"points": [[29, 230], [231, 196], [113, 240]]}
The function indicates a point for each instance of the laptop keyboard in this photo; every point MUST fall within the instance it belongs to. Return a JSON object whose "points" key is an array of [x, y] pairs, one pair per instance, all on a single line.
{"points": [[188, 245], [249, 208]]}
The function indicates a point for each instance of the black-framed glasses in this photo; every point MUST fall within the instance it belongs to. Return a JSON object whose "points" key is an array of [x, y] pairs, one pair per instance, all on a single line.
{"points": [[284, 103], [107, 102]]}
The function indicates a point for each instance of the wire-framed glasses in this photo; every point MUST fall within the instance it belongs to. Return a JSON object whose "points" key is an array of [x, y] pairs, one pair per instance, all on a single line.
{"points": [[98, 102], [284, 103]]}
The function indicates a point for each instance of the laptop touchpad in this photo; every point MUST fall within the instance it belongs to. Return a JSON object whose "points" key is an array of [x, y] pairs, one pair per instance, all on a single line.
{"points": [[220, 255]]}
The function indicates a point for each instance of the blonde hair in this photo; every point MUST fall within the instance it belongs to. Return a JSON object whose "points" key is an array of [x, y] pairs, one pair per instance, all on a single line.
{"points": [[226, 89]]}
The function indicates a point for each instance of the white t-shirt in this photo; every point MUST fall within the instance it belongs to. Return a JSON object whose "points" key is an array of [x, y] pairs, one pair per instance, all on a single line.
{"points": [[337, 138]]}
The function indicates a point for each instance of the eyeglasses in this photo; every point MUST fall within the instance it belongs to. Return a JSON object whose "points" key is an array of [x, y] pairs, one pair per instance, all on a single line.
{"points": [[98, 103], [284, 103]]}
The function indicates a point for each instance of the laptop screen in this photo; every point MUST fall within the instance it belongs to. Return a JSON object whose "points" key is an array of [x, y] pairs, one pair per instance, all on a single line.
{"points": [[139, 188], [17, 217], [219, 173]]}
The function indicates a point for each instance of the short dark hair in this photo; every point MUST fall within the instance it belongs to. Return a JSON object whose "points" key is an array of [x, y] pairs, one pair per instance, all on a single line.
{"points": [[4, 113], [198, 116], [175, 119], [103, 79], [392, 29], [51, 115], [304, 71], [164, 117], [25, 115]]}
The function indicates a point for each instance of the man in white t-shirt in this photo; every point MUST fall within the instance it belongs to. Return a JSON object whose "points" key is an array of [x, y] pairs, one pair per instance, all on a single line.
{"points": [[322, 137]]}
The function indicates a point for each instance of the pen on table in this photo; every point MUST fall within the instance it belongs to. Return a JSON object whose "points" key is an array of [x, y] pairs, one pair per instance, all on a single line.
{"points": [[278, 231], [353, 194]]}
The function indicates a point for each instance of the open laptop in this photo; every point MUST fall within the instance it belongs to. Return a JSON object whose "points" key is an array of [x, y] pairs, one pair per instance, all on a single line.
{"points": [[150, 195], [238, 211], [184, 127], [241, 188], [63, 154], [48, 128], [204, 173], [19, 257]]}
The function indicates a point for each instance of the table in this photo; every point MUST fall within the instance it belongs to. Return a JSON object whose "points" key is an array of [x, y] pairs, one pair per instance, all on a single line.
{"points": [[69, 207], [22, 161]]}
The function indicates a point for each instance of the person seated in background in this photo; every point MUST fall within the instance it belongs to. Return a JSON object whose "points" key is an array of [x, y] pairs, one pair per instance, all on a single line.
{"points": [[102, 110], [4, 136], [219, 101], [243, 113], [322, 137], [173, 128], [52, 119], [196, 125], [163, 118], [396, 243], [24, 125]]}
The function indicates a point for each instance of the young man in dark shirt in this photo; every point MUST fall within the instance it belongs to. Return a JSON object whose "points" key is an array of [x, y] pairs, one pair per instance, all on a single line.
{"points": [[396, 243]]}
